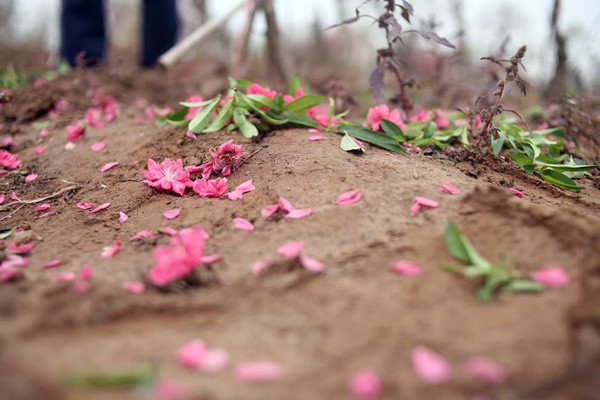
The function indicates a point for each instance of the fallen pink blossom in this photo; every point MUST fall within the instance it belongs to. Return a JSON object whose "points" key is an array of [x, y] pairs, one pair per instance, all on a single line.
{"points": [[517, 192], [2, 198], [108, 166], [365, 385], [211, 188], [9, 160], [224, 160], [255, 88], [93, 117], [57, 262], [299, 213], [243, 224], [351, 197], [241, 190], [143, 235], [168, 175], [31, 177], [311, 264], [14, 196], [191, 135], [75, 131], [123, 217], [81, 287], [64, 276], [552, 277], [39, 83], [168, 389], [285, 204], [14, 260], [485, 370], [422, 202], [40, 149], [259, 266], [208, 260], [316, 138], [258, 372], [85, 206], [172, 214], [290, 250], [42, 207], [9, 273], [111, 251], [169, 231], [98, 146], [86, 272], [138, 119], [269, 210], [407, 268], [196, 356], [134, 287], [44, 132], [101, 207], [430, 366], [449, 188], [14, 248], [380, 112]]}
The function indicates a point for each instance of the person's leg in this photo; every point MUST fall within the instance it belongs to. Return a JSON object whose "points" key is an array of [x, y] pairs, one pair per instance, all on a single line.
{"points": [[82, 30], [159, 29]]}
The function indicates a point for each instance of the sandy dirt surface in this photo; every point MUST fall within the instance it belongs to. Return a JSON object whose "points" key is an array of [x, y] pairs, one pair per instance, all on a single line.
{"points": [[321, 327]]}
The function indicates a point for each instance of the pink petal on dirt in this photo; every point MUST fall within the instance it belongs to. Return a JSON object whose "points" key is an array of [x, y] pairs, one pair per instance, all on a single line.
{"points": [[123, 217], [81, 287], [39, 149], [243, 224], [172, 214], [44, 132], [64, 276], [311, 264], [241, 190], [259, 266], [108, 166], [191, 135], [430, 366], [111, 251], [552, 277], [207, 260], [258, 372], [2, 198], [517, 192], [485, 370], [425, 202], [134, 287], [57, 262], [42, 207], [407, 268], [315, 138], [449, 188], [192, 354], [215, 360], [168, 230], [85, 206], [365, 385], [86, 272], [285, 204], [299, 213], [291, 249], [19, 249], [351, 197], [167, 389], [98, 146], [14, 196], [269, 210], [101, 207], [415, 208], [143, 235]]}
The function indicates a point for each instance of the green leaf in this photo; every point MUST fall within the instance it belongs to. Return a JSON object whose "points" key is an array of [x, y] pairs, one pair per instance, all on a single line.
{"points": [[391, 129], [299, 119], [571, 168], [266, 117], [520, 158], [246, 128], [261, 101], [560, 179], [347, 144], [531, 149], [523, 285], [7, 233], [222, 118], [294, 85], [174, 118], [487, 291], [460, 247], [141, 376], [430, 130], [498, 144], [463, 133], [369, 136], [40, 125], [304, 103], [202, 119], [191, 104]]}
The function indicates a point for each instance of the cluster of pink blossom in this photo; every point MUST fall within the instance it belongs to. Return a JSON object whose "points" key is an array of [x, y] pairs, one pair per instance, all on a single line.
{"points": [[104, 109], [382, 111], [180, 257], [14, 260], [9, 160]]}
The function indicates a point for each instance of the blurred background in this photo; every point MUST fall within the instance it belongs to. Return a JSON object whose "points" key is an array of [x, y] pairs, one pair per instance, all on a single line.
{"points": [[478, 28]]}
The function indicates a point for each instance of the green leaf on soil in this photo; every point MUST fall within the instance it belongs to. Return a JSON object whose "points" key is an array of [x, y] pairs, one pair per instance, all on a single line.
{"points": [[369, 136], [143, 375], [246, 128], [523, 286], [7, 233], [348, 144]]}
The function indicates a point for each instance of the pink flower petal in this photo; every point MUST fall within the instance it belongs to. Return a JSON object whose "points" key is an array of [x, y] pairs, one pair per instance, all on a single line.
{"points": [[517, 193], [241, 189], [172, 214], [291, 249], [143, 235], [485, 370], [39, 149], [316, 138], [53, 263], [552, 277], [350, 197], [285, 205], [425, 202], [415, 208], [407, 268], [311, 264], [2, 198], [31, 177], [430, 366], [42, 207], [134, 287], [269, 210], [86, 272], [207, 260], [14, 196], [85, 206], [243, 224], [98, 146], [449, 188], [81, 287], [101, 207], [299, 213], [258, 372], [111, 251], [365, 385], [195, 355], [64, 276], [44, 132], [123, 217], [259, 266], [167, 389], [215, 360], [108, 166]]}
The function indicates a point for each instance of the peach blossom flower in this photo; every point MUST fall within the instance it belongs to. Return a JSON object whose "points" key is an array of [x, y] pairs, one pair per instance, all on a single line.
{"points": [[377, 113], [196, 356], [255, 88], [440, 120], [75, 131], [224, 160], [168, 175], [210, 187], [9, 160]]}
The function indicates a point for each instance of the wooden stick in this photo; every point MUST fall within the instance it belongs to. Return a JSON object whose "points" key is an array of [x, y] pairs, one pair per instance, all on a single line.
{"points": [[197, 37], [23, 202]]}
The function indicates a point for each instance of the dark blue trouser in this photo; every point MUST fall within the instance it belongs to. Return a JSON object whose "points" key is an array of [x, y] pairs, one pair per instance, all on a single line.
{"points": [[83, 30]]}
